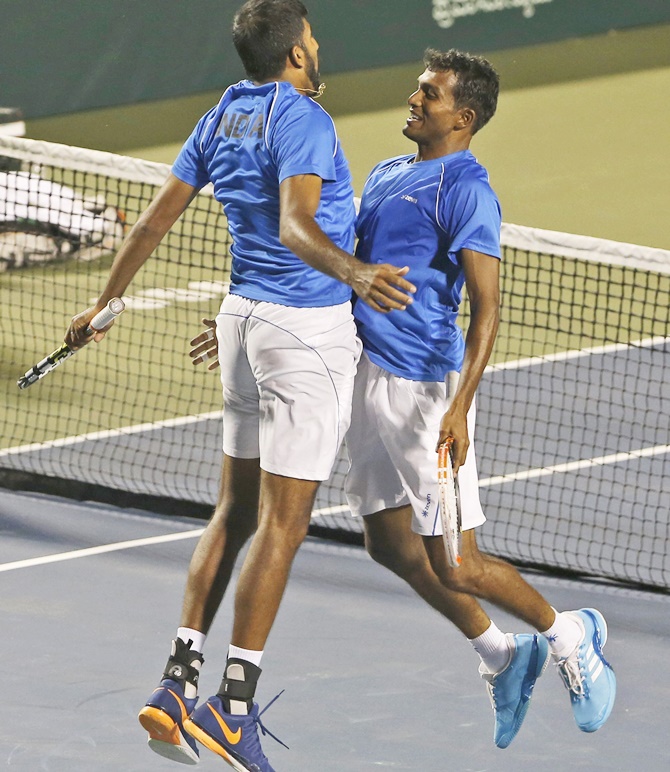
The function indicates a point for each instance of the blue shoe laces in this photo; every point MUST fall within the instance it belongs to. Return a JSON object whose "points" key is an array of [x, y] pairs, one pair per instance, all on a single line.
{"points": [[264, 730]]}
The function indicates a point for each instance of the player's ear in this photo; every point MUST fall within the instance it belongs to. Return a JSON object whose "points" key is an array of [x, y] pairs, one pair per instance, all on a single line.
{"points": [[466, 118], [296, 57]]}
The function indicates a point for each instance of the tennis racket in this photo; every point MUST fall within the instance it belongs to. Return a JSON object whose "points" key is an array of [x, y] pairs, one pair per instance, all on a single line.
{"points": [[57, 357], [450, 502]]}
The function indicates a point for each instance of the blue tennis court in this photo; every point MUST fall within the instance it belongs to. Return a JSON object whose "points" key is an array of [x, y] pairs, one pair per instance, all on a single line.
{"points": [[374, 679]]}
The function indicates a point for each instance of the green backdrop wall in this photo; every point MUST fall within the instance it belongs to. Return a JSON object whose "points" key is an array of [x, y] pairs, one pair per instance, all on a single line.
{"points": [[62, 56]]}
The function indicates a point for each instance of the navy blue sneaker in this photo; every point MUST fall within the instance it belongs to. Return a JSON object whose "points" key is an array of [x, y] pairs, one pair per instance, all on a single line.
{"points": [[234, 738], [510, 690], [166, 710], [163, 717], [587, 675]]}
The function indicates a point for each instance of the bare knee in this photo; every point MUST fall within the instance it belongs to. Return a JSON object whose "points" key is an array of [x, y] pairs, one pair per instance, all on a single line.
{"points": [[237, 521], [465, 578], [236, 515], [390, 541], [382, 554], [283, 531], [405, 558], [285, 511]]}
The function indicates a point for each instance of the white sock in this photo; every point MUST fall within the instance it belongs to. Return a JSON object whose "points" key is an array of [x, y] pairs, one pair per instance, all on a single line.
{"points": [[194, 637], [493, 648], [564, 635], [234, 652]]}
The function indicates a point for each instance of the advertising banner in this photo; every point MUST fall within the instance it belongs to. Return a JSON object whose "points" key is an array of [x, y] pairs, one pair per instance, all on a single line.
{"points": [[66, 56]]}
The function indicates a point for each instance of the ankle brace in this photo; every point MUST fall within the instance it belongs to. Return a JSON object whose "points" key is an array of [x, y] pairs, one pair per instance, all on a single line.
{"points": [[180, 666], [239, 689]]}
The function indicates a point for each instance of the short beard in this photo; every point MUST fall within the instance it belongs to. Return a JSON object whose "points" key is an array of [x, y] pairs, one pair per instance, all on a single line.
{"points": [[312, 72]]}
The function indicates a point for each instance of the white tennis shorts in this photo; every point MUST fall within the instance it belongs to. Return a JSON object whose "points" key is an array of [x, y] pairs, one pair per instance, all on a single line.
{"points": [[391, 443], [287, 375]]}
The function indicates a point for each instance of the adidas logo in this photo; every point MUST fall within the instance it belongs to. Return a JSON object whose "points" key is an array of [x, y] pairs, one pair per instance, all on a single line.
{"points": [[594, 663]]}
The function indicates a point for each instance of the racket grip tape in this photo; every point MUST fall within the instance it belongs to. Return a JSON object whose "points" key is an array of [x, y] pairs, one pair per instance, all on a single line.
{"points": [[107, 315]]}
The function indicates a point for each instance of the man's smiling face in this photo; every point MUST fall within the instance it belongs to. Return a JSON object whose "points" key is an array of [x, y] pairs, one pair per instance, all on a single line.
{"points": [[432, 110]]}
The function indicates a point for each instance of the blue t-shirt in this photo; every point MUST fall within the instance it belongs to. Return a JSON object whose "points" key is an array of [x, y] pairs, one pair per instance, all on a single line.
{"points": [[254, 139], [421, 214]]}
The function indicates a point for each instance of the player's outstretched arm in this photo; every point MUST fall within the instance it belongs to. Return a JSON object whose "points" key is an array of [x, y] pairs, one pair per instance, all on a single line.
{"points": [[142, 239], [380, 286]]}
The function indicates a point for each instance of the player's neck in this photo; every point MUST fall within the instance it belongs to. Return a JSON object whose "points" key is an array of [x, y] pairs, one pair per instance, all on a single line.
{"points": [[298, 79], [451, 144]]}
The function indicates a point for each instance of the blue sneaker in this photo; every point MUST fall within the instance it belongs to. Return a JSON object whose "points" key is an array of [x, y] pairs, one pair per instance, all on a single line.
{"points": [[234, 738], [166, 710], [586, 673], [510, 690]]}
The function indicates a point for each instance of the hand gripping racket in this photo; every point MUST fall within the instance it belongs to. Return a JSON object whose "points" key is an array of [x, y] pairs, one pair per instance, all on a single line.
{"points": [[450, 503], [99, 321]]}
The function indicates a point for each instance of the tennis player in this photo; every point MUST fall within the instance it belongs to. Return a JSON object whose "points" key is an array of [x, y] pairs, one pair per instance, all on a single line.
{"points": [[435, 211], [290, 355]]}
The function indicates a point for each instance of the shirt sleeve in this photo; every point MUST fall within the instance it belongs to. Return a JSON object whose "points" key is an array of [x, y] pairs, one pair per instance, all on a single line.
{"points": [[189, 166], [303, 141], [470, 214]]}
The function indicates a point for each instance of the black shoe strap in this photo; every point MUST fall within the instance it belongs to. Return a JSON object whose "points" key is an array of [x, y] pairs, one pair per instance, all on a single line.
{"points": [[180, 667], [233, 689]]}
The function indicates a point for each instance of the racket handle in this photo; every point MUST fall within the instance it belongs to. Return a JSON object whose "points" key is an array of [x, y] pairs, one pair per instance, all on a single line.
{"points": [[108, 314], [115, 307]]}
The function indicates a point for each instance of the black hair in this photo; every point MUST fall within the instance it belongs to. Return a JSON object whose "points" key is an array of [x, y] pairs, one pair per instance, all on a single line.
{"points": [[477, 82], [264, 32]]}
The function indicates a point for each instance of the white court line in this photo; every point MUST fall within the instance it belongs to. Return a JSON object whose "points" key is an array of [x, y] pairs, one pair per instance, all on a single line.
{"points": [[126, 545], [528, 474], [184, 420], [571, 466], [107, 433], [562, 356], [115, 547]]}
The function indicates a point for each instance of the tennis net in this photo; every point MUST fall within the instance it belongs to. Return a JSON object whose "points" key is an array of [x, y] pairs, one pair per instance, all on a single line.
{"points": [[573, 436]]}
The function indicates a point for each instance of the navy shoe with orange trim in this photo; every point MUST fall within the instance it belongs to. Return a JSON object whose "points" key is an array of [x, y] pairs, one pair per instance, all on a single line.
{"points": [[234, 738], [166, 710]]}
